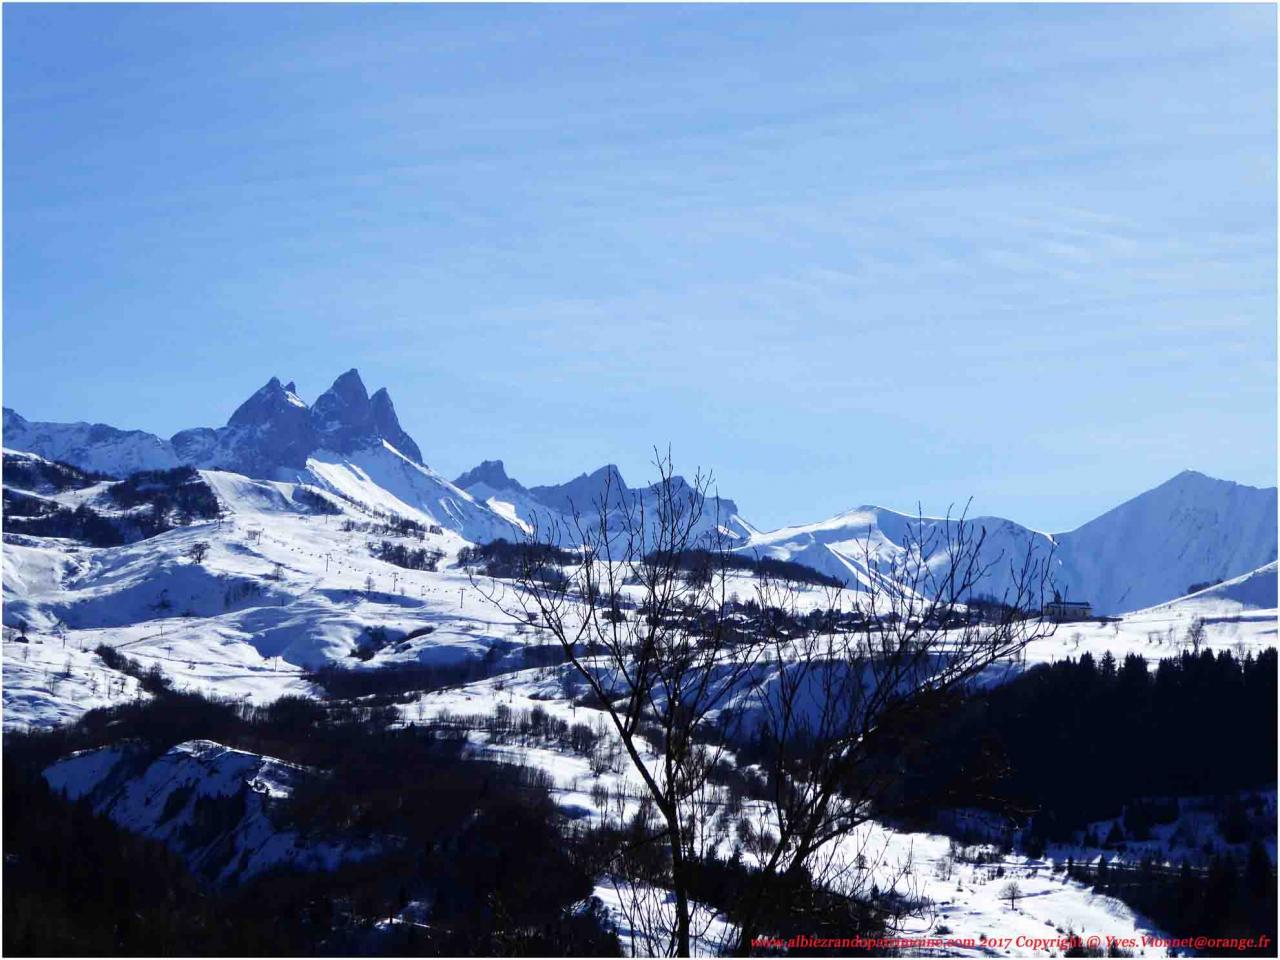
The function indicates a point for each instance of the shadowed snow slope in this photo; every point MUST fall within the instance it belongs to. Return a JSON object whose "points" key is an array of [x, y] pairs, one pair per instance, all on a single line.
{"points": [[1256, 590], [172, 798]]}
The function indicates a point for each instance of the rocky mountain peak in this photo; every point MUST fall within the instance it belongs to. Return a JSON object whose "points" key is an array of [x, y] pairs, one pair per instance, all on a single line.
{"points": [[271, 402], [343, 416], [388, 425], [492, 473]]}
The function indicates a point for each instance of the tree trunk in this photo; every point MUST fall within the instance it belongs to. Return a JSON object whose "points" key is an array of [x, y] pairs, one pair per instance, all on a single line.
{"points": [[679, 885]]}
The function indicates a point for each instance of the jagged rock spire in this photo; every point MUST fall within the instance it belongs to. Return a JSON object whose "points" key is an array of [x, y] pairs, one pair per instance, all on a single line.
{"points": [[346, 418], [388, 425]]}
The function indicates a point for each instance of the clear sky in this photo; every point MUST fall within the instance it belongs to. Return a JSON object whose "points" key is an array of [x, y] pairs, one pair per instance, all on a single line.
{"points": [[841, 255]]}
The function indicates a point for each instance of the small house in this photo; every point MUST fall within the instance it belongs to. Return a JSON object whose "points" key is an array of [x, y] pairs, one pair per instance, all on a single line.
{"points": [[1067, 611]]}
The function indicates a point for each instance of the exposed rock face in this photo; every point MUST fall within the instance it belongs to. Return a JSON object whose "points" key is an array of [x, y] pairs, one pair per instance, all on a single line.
{"points": [[269, 430], [343, 416], [492, 473], [265, 405], [388, 426]]}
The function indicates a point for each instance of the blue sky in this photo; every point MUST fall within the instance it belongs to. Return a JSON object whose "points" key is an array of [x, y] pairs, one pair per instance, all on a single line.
{"points": [[841, 255]]}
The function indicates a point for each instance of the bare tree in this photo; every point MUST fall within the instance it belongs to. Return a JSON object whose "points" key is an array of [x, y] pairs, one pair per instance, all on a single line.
{"points": [[648, 639], [197, 551], [1011, 892], [1195, 634], [818, 686], [863, 682]]}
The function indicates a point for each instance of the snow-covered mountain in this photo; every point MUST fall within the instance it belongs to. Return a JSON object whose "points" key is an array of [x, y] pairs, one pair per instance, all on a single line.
{"points": [[273, 430], [1151, 549], [563, 506], [347, 442], [95, 447], [1190, 529], [862, 545]]}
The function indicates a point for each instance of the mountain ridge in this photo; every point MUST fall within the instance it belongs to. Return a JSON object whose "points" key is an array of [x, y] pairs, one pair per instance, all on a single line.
{"points": [[1146, 550], [340, 443], [273, 428]]}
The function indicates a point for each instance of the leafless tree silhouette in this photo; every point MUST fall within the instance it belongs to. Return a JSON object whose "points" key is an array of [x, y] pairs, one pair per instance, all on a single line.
{"points": [[815, 685]]}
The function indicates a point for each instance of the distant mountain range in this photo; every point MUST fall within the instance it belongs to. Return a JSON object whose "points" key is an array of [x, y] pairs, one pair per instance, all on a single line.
{"points": [[274, 431], [347, 442], [1192, 529], [565, 506]]}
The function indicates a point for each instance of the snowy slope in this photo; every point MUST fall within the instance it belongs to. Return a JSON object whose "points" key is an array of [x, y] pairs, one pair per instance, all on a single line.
{"points": [[862, 545], [383, 478], [282, 590], [1190, 529], [169, 798], [1253, 592], [47, 683], [962, 896]]}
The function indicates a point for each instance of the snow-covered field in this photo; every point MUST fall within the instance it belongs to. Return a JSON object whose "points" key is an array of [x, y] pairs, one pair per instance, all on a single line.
{"points": [[46, 684]]}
